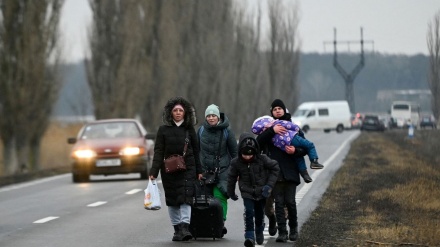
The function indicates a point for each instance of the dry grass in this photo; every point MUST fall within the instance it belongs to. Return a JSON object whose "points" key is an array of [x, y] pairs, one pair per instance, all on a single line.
{"points": [[55, 149], [54, 153], [387, 193]]}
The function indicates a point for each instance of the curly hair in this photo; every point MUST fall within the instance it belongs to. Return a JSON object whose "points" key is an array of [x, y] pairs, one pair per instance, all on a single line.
{"points": [[190, 112]]}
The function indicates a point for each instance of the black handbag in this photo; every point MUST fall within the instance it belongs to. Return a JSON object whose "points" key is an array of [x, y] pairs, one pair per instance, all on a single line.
{"points": [[176, 163], [211, 176]]}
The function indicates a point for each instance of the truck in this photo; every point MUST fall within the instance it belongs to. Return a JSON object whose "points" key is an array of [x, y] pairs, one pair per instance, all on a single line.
{"points": [[323, 115]]}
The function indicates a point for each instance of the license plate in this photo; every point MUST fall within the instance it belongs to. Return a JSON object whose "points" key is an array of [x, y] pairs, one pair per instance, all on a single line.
{"points": [[108, 162]]}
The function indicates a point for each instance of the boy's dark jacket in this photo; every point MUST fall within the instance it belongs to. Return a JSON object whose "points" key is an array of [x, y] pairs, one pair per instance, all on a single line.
{"points": [[254, 175]]}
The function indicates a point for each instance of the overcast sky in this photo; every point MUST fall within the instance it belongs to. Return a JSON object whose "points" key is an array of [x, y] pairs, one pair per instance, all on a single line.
{"points": [[395, 26]]}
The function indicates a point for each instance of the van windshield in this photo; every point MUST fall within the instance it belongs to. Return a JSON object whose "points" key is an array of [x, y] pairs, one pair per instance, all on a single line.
{"points": [[300, 113]]}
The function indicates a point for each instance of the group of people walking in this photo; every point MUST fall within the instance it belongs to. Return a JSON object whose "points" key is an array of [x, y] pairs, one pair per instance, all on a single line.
{"points": [[266, 173]]}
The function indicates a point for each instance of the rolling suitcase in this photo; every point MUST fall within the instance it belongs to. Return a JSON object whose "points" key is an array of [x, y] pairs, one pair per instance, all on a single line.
{"points": [[206, 215]]}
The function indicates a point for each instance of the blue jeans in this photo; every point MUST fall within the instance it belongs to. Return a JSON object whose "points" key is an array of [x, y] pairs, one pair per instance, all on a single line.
{"points": [[180, 214], [253, 208], [298, 141], [284, 195]]}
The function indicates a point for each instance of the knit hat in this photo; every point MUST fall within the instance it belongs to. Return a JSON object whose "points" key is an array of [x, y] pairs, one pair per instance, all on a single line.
{"points": [[279, 103], [248, 147], [212, 109], [178, 106]]}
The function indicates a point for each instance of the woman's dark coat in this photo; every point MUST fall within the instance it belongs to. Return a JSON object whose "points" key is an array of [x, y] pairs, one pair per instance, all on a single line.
{"points": [[170, 139], [252, 176], [209, 148]]}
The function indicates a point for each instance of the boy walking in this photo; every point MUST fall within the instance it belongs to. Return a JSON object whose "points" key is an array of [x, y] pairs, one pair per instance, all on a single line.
{"points": [[257, 175]]}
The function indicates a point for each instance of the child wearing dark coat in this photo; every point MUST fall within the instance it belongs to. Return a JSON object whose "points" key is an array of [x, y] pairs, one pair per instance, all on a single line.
{"points": [[256, 175]]}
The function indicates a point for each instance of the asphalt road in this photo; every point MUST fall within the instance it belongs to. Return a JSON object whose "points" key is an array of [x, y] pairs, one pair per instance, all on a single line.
{"points": [[108, 211]]}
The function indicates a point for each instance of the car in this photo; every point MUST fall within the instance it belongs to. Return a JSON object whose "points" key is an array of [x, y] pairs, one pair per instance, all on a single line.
{"points": [[428, 121], [109, 147], [372, 123]]}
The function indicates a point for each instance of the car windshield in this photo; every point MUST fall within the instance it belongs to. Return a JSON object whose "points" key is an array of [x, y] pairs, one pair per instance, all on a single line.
{"points": [[111, 130], [300, 113], [371, 119]]}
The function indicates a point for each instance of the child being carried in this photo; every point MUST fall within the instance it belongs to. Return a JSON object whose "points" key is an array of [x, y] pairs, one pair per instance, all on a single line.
{"points": [[291, 137]]}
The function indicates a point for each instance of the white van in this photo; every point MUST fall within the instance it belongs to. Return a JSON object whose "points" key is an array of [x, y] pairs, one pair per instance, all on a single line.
{"points": [[325, 115]]}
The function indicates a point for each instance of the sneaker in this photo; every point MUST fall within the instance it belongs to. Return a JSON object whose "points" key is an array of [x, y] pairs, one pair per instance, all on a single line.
{"points": [[305, 175], [315, 165], [249, 242], [282, 235], [293, 234], [282, 238]]}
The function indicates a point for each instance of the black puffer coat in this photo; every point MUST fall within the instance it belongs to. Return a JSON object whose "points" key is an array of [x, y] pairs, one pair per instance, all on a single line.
{"points": [[170, 139], [209, 148], [254, 175]]}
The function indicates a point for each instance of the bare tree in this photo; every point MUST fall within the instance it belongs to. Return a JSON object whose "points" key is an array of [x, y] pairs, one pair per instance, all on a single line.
{"points": [[116, 69], [199, 49], [29, 59], [189, 50], [249, 76], [283, 57], [433, 40]]}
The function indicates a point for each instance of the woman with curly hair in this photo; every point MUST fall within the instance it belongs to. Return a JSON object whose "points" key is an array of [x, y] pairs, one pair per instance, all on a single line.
{"points": [[179, 119]]}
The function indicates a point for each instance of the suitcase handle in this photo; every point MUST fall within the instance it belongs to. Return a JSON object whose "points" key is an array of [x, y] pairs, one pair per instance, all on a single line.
{"points": [[205, 195]]}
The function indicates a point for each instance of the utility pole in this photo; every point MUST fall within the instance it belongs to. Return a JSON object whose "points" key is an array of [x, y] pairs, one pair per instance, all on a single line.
{"points": [[349, 78]]}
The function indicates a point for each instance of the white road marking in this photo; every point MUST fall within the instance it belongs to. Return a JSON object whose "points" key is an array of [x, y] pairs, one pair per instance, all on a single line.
{"points": [[303, 191], [96, 204], [44, 220], [134, 191]]}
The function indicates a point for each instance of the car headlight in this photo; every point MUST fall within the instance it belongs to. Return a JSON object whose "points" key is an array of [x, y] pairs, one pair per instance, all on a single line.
{"points": [[129, 151], [84, 154]]}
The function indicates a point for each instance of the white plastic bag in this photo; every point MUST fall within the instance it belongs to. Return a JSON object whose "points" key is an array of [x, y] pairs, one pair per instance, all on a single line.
{"points": [[152, 196]]}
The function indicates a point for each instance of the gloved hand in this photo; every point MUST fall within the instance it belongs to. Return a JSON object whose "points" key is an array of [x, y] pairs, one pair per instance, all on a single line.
{"points": [[233, 197], [266, 191]]}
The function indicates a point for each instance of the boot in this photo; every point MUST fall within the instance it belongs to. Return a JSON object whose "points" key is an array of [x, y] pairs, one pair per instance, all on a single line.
{"points": [[315, 165], [177, 233], [305, 175], [259, 235], [249, 239], [224, 231], [186, 235], [282, 234], [272, 225], [293, 234]]}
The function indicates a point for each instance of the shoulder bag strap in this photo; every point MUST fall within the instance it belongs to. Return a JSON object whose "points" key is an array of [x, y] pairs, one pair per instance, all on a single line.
{"points": [[218, 152], [186, 143]]}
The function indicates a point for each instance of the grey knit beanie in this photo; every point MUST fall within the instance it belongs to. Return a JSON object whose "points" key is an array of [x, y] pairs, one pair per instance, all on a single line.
{"points": [[212, 109]]}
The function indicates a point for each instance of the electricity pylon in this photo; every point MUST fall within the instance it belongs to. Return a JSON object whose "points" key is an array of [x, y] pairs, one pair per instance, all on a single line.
{"points": [[349, 78]]}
